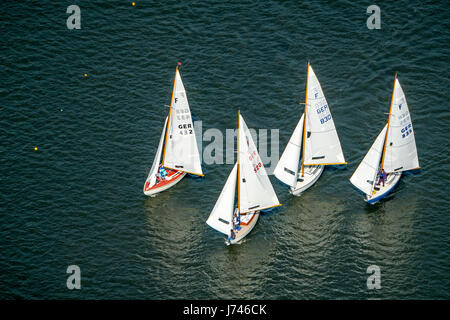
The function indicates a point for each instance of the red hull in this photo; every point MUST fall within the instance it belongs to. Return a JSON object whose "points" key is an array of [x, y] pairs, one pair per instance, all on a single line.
{"points": [[172, 178]]}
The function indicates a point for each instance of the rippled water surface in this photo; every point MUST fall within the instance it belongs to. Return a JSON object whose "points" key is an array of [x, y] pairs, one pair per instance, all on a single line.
{"points": [[78, 199]]}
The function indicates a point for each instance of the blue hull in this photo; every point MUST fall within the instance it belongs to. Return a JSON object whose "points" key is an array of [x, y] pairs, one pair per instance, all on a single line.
{"points": [[374, 200]]}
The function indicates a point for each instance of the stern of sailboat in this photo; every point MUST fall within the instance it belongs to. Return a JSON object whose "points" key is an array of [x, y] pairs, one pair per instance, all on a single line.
{"points": [[381, 191], [246, 226], [310, 176], [172, 178]]}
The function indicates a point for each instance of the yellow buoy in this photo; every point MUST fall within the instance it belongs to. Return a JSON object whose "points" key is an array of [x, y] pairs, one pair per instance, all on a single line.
{"points": [[35, 148], [133, 3], [85, 74]]}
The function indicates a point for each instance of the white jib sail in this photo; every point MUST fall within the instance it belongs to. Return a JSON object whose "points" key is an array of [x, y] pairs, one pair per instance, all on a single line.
{"points": [[364, 176], [221, 217], [401, 152], [255, 190], [151, 178], [322, 141], [287, 167], [181, 151]]}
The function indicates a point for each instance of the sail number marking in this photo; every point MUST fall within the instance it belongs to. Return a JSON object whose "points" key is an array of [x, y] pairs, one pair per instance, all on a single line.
{"points": [[186, 128], [406, 131], [252, 157], [325, 119], [321, 110]]}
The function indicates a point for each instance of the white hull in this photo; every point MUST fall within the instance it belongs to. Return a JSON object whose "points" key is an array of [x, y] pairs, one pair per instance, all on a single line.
{"points": [[312, 174], [245, 229], [390, 183], [170, 183]]}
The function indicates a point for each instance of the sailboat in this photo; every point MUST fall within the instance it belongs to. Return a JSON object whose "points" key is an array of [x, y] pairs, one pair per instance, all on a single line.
{"points": [[314, 139], [177, 145], [394, 150], [254, 190]]}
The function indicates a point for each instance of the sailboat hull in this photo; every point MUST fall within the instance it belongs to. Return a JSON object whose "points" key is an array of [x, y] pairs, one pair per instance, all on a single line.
{"points": [[311, 175], [172, 178], [389, 185], [245, 228]]}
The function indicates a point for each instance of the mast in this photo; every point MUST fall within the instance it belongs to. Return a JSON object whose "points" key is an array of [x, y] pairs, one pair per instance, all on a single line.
{"points": [[170, 110], [389, 119], [304, 124], [238, 164]]}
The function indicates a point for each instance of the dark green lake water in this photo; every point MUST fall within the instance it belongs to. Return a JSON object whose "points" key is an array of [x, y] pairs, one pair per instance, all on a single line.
{"points": [[78, 199]]}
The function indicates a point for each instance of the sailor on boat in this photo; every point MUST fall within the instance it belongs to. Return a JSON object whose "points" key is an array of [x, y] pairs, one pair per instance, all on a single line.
{"points": [[232, 236], [237, 221], [162, 173], [383, 177]]}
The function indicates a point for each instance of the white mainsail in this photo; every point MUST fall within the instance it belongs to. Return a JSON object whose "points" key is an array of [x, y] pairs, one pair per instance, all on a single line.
{"points": [[151, 178], [287, 167], [255, 190], [364, 176], [400, 153], [221, 217], [181, 151], [322, 145]]}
